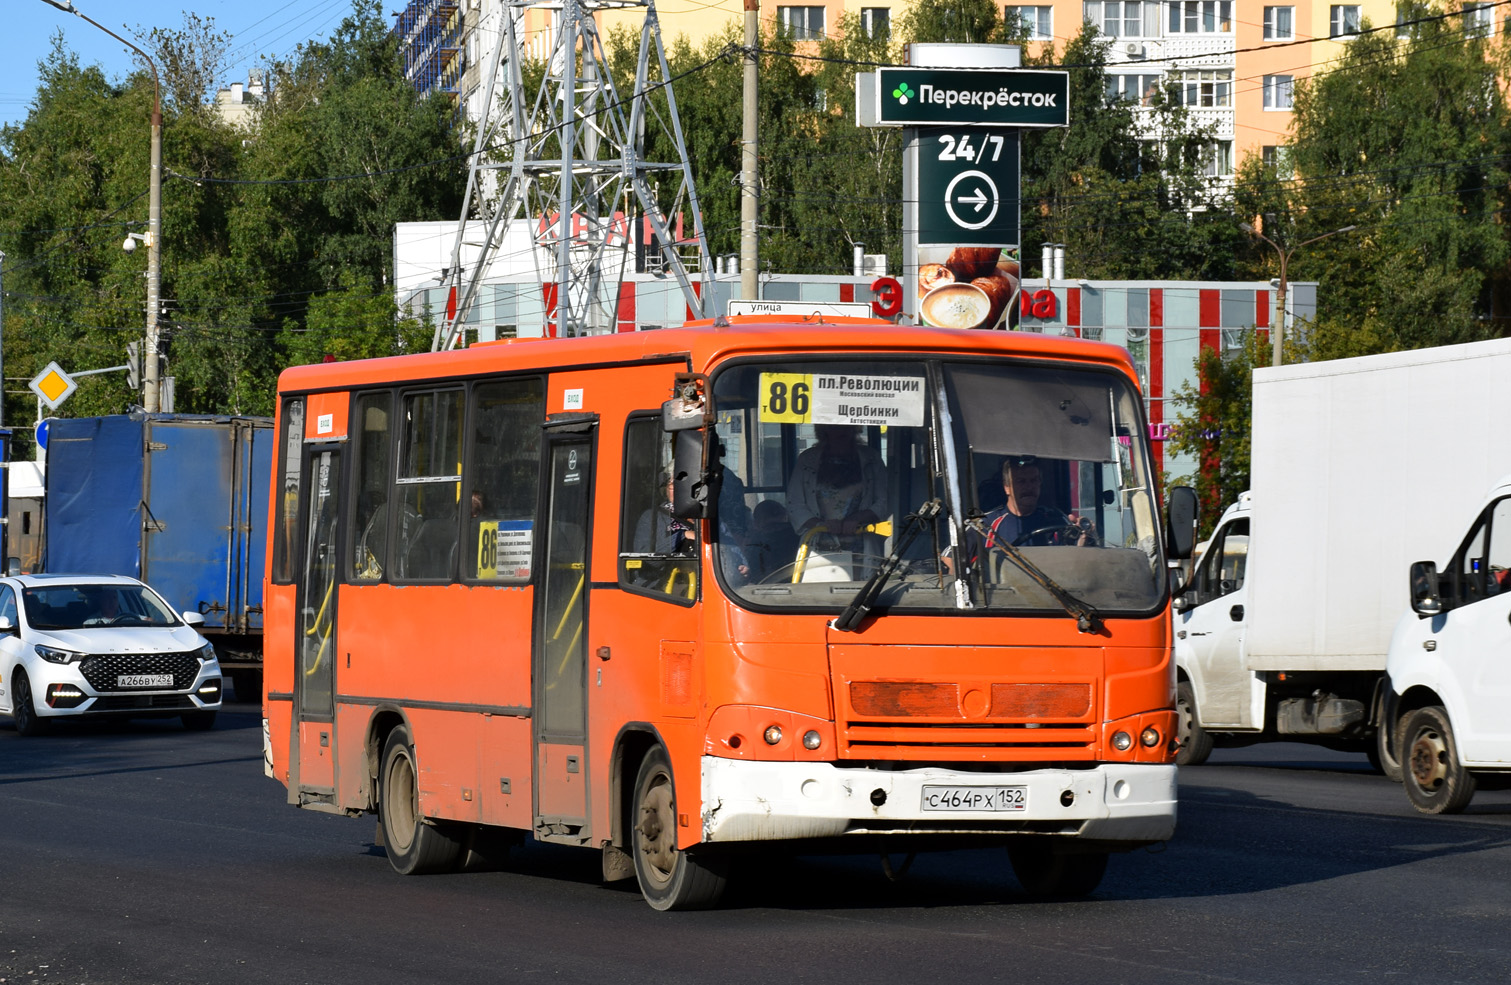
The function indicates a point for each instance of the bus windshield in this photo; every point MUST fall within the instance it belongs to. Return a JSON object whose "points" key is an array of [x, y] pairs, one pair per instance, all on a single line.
{"points": [[1042, 472]]}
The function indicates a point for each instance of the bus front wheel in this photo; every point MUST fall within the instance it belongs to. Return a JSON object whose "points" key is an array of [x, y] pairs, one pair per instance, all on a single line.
{"points": [[415, 846], [670, 878], [1049, 874]]}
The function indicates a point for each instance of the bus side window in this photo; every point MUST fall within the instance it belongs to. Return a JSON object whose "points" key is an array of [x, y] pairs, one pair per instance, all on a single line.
{"points": [[286, 511], [369, 540], [503, 479], [430, 486], [658, 553]]}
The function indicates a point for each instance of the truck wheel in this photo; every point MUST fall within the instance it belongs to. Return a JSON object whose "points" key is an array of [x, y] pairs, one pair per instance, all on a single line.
{"points": [[415, 846], [1382, 754], [1436, 782], [670, 879], [247, 684], [198, 721], [1047, 874], [28, 722], [1194, 744]]}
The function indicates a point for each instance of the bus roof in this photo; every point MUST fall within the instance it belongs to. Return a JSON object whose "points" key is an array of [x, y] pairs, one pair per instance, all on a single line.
{"points": [[700, 344]]}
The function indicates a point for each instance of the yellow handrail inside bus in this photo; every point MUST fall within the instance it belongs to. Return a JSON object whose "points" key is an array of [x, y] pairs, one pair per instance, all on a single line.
{"points": [[566, 613], [318, 621], [805, 546], [692, 582]]}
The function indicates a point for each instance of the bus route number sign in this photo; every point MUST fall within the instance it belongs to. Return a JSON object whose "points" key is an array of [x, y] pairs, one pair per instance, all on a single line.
{"points": [[503, 549], [840, 398]]}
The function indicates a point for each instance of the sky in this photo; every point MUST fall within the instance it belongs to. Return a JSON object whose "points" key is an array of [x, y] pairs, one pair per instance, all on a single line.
{"points": [[274, 27]]}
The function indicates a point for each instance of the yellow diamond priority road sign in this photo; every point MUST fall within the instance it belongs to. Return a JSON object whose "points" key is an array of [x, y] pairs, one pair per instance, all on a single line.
{"points": [[53, 385]]}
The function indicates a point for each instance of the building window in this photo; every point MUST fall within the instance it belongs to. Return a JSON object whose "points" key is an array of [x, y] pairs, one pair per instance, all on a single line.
{"points": [[876, 22], [1478, 20], [1124, 18], [1210, 90], [1200, 17], [1343, 21], [1276, 158], [1217, 158], [1278, 90], [1139, 89], [802, 23], [1037, 22], [1405, 13], [1279, 23]]}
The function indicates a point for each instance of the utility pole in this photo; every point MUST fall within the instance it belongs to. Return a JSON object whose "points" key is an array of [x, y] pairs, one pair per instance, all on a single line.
{"points": [[1277, 330], [150, 379], [750, 249]]}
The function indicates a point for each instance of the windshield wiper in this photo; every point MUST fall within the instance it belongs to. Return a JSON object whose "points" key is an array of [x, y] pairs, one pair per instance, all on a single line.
{"points": [[1088, 620], [855, 613]]}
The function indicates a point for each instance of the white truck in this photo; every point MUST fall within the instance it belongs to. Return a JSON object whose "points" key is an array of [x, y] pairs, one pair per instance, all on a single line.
{"points": [[1359, 467], [1448, 702]]}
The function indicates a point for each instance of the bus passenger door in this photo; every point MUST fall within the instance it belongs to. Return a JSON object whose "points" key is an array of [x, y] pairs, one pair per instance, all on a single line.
{"points": [[561, 634], [312, 778]]}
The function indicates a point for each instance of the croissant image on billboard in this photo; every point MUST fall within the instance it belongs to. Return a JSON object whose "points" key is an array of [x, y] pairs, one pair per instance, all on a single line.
{"points": [[966, 286]]}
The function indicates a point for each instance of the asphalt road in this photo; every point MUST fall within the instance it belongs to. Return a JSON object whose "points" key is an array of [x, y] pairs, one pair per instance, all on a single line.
{"points": [[144, 853]]}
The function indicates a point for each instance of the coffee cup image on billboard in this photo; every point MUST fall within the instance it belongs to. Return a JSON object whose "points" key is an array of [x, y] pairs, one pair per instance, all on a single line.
{"points": [[965, 286]]}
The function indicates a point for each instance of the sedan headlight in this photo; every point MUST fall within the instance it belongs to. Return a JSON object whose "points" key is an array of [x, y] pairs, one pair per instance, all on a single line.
{"points": [[207, 653], [53, 655]]}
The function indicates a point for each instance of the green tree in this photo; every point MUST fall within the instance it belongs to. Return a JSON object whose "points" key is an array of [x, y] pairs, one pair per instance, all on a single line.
{"points": [[1407, 140], [1213, 426]]}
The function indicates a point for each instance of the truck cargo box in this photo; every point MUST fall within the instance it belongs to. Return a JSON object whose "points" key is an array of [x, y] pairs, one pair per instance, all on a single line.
{"points": [[177, 500]]}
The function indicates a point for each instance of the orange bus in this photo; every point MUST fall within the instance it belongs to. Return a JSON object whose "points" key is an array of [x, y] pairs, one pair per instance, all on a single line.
{"points": [[745, 585]]}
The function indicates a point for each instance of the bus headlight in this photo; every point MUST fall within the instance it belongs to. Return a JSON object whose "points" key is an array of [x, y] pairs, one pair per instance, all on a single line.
{"points": [[773, 734], [1121, 741], [1149, 737]]}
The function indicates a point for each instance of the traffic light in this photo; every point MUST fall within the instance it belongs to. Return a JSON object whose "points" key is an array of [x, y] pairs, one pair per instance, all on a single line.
{"points": [[133, 364]]}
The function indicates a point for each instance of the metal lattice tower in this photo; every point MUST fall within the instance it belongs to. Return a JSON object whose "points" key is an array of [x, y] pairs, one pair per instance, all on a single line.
{"points": [[568, 160]]}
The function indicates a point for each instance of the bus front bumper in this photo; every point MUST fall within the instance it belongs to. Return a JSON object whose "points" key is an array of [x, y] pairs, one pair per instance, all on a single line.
{"points": [[764, 801]]}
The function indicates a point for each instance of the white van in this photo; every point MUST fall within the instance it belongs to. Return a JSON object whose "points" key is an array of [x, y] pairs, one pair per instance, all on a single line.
{"points": [[1449, 667]]}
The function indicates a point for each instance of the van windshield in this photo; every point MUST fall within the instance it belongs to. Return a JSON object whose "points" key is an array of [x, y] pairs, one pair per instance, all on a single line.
{"points": [[825, 461]]}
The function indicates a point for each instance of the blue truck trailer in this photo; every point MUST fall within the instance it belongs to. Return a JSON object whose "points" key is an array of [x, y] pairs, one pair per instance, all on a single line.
{"points": [[177, 500]]}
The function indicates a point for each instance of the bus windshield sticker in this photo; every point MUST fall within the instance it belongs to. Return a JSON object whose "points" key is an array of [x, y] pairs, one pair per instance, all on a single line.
{"points": [[839, 398], [504, 548]]}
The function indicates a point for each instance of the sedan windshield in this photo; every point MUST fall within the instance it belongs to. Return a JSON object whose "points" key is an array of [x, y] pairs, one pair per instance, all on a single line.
{"points": [[89, 606], [1043, 473]]}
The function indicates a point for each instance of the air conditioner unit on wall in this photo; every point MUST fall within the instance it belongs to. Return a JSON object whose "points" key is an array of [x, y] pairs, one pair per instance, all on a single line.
{"points": [[1133, 49], [873, 265]]}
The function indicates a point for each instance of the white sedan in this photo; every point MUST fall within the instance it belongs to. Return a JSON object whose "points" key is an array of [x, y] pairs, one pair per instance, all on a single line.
{"points": [[91, 645]]}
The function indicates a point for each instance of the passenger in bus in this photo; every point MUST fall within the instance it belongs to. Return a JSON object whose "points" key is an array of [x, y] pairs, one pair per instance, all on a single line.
{"points": [[734, 526], [659, 531], [839, 484], [773, 543]]}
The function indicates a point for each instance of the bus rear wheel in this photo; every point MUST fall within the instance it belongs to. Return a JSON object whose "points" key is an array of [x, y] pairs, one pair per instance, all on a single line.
{"points": [[1048, 874], [670, 878], [415, 846]]}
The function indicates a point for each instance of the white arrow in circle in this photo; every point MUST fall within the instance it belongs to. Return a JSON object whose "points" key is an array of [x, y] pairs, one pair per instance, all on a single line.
{"points": [[979, 199], [984, 195]]}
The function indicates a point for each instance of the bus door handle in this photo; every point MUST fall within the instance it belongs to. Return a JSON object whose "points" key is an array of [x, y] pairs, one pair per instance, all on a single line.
{"points": [[1236, 613]]}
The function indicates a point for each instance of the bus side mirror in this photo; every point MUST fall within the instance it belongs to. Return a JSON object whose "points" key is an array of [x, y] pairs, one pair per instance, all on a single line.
{"points": [[685, 418], [1425, 597], [1180, 522], [689, 475]]}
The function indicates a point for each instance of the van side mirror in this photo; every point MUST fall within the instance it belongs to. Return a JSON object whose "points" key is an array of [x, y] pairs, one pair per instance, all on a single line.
{"points": [[7, 625], [1426, 599], [1180, 522]]}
